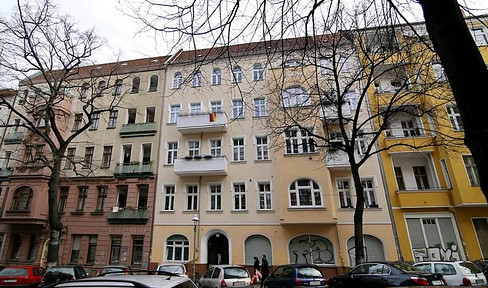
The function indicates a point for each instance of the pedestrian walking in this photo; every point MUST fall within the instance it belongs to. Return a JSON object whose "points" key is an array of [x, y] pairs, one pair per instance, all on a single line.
{"points": [[264, 270]]}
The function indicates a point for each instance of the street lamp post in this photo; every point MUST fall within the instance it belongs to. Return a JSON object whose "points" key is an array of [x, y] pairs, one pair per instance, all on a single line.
{"points": [[195, 220]]}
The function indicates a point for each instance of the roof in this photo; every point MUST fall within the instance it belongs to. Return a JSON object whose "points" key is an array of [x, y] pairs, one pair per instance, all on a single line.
{"points": [[148, 281]]}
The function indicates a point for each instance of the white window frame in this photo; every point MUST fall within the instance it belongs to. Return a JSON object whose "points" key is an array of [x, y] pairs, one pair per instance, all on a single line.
{"points": [[237, 109], [239, 197], [295, 194], [172, 152], [294, 140], [174, 111], [262, 149], [216, 76], [191, 196], [216, 106], [295, 96], [177, 80], [258, 72], [169, 198], [215, 147], [239, 150], [195, 108], [455, 118], [216, 196], [479, 36], [194, 147], [471, 170], [344, 191], [237, 74], [265, 196], [260, 107], [439, 72], [196, 80], [180, 245], [370, 198]]}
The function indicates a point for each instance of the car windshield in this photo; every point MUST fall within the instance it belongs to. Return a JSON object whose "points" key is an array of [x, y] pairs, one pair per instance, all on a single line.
{"points": [[66, 270], [406, 267], [469, 268], [309, 272], [13, 272], [176, 269], [235, 272]]}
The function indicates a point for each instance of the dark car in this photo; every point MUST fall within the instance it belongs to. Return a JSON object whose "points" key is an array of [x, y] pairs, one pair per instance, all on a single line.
{"points": [[63, 273], [292, 275], [21, 276], [385, 274], [114, 270]]}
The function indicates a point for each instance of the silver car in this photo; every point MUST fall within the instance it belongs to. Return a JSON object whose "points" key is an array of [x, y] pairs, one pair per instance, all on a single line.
{"points": [[456, 273], [173, 268], [149, 281], [226, 276]]}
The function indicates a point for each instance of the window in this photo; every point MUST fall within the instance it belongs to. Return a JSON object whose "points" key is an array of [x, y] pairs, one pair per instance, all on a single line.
{"points": [[84, 90], [259, 107], [118, 87], [305, 193], [63, 198], [146, 153], [193, 148], [107, 157], [481, 228], [421, 178], [150, 114], [262, 148], [238, 149], [77, 122], [75, 249], [369, 194], [479, 37], [299, 141], [112, 119], [264, 190], [258, 72], [439, 73], [17, 243], [137, 248], [87, 162], [22, 199], [455, 118], [82, 194], [195, 108], [174, 110], [344, 65], [115, 245], [131, 115], [239, 196], [323, 250], [237, 75], [177, 80], [95, 120], [70, 158], [92, 249], [471, 170], [216, 147], [126, 154], [169, 198], [293, 63], [177, 248], [122, 196], [102, 197], [101, 87], [28, 156], [143, 196], [172, 152], [33, 245], [295, 96], [191, 197], [216, 106], [344, 194], [196, 81], [215, 197], [237, 109], [216, 76], [136, 83], [153, 83], [6, 160], [326, 66], [399, 178]]}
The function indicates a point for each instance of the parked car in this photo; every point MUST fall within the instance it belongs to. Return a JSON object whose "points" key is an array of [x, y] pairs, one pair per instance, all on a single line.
{"points": [[292, 275], [128, 281], [226, 276], [173, 268], [385, 274], [63, 273], [21, 276], [456, 273], [114, 270]]}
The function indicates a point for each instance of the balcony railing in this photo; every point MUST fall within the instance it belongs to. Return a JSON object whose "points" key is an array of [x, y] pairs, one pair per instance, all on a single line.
{"points": [[13, 138], [138, 130], [337, 159], [330, 112], [128, 216], [405, 132], [201, 122], [201, 166], [133, 170]]}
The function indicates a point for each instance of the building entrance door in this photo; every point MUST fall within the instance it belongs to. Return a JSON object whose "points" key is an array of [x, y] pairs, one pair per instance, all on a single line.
{"points": [[218, 249]]}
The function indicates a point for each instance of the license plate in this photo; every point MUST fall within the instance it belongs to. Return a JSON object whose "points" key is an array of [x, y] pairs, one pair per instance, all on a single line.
{"points": [[437, 282], [479, 281], [314, 283], [9, 280], [239, 283]]}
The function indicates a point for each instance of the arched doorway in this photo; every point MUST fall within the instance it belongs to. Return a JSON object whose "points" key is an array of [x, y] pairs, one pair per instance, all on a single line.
{"points": [[218, 249]]}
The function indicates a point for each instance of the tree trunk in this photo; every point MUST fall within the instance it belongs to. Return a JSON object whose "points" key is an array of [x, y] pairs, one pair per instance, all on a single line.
{"points": [[55, 225], [467, 75], [358, 214]]}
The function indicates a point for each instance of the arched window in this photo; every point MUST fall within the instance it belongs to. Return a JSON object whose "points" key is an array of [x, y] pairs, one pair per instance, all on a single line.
{"points": [[216, 76], [101, 87], [312, 249], [136, 82], [177, 80], [237, 75], [197, 79], [177, 248], [258, 72], [295, 96], [84, 90], [255, 246], [153, 83], [22, 199], [305, 193], [373, 249]]}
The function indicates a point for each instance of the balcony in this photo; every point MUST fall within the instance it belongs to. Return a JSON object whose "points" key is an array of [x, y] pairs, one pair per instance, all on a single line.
{"points": [[201, 166], [133, 170], [201, 123], [330, 112], [128, 216], [138, 130], [337, 159], [13, 138]]}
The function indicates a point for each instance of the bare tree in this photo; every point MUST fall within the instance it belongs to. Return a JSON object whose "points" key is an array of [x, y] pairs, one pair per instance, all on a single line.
{"points": [[45, 51]]}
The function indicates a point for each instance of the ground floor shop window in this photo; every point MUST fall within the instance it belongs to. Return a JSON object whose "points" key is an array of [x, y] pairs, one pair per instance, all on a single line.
{"points": [[311, 249], [481, 228]]}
